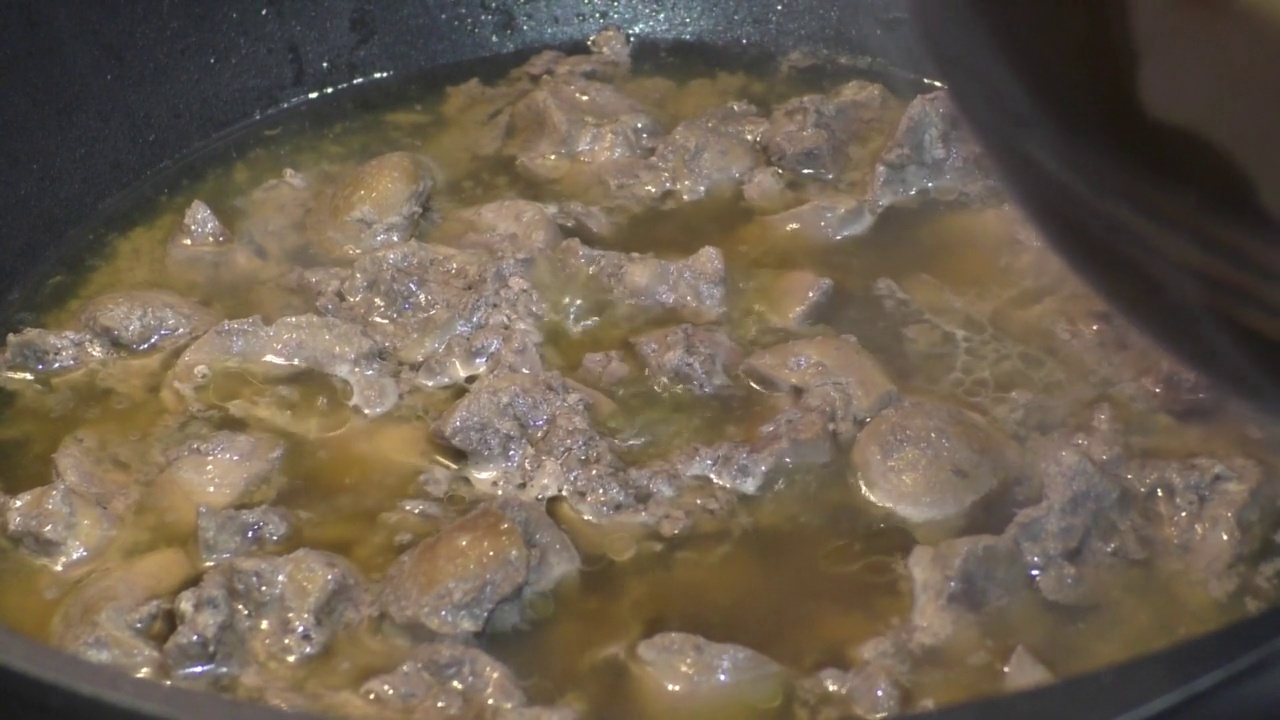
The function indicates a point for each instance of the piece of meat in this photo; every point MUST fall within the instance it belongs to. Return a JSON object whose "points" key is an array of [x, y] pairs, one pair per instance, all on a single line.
{"points": [[585, 222], [1085, 524], [789, 300], [699, 358], [252, 613], [200, 228], [75, 517], [959, 583], [530, 436], [797, 437], [117, 615], [450, 582], [732, 465], [1119, 358], [552, 558], [693, 670], [203, 252], [678, 500], [113, 325], [40, 352], [569, 119], [373, 205], [1023, 671], [1212, 516], [831, 694], [447, 313], [819, 135], [930, 462], [834, 375], [609, 59], [142, 320], [765, 190], [693, 287], [932, 157], [448, 680], [286, 347], [714, 151], [621, 187], [507, 226], [225, 534], [221, 470], [57, 526], [604, 370], [827, 219]]}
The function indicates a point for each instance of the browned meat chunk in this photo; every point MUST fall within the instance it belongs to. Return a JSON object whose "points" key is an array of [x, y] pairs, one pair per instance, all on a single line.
{"points": [[789, 300], [448, 313], [204, 251], [75, 517], [834, 375], [120, 323], [929, 462], [530, 436], [1119, 358], [609, 59], [1212, 516], [932, 157], [552, 558], [765, 190], [481, 570], [679, 502], [43, 352], [448, 680], [1085, 524], [693, 287], [285, 348], [585, 222], [255, 612], [224, 469], [827, 219], [797, 436], [732, 465], [373, 205], [570, 119], [505, 226], [816, 135], [604, 369], [450, 582], [225, 534], [200, 228], [692, 670], [143, 320], [960, 583], [116, 616], [712, 152], [701, 359], [832, 694]]}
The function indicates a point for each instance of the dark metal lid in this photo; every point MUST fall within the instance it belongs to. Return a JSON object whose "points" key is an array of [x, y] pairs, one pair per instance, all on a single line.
{"points": [[1158, 220]]}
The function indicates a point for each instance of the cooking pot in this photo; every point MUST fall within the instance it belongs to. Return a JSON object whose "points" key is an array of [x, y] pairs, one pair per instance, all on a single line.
{"points": [[98, 96]]}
